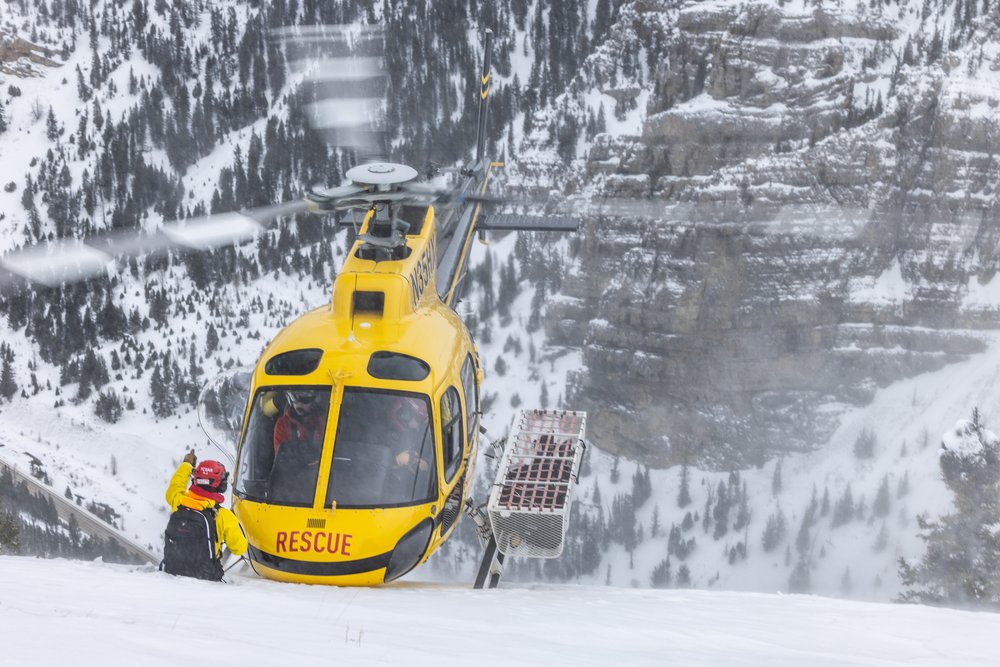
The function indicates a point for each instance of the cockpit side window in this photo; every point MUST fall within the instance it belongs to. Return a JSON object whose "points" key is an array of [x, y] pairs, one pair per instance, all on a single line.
{"points": [[451, 432], [279, 457], [471, 397]]}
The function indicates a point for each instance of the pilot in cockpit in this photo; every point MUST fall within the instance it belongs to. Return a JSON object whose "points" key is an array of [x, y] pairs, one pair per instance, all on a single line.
{"points": [[410, 423]]}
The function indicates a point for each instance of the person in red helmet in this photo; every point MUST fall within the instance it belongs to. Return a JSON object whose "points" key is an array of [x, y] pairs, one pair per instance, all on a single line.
{"points": [[199, 524]]}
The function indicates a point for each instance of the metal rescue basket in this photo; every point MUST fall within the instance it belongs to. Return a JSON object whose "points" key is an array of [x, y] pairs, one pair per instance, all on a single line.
{"points": [[530, 500]]}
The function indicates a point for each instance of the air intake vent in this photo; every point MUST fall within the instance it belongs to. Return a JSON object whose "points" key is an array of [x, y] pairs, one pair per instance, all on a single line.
{"points": [[315, 523], [369, 303]]}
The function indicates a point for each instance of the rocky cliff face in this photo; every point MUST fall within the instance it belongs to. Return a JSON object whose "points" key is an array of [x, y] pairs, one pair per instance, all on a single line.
{"points": [[840, 229]]}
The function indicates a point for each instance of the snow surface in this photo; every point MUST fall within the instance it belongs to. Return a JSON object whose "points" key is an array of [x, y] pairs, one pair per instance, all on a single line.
{"points": [[112, 614]]}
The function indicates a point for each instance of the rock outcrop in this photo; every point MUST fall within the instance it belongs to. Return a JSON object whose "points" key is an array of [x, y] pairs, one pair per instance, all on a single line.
{"points": [[841, 232]]}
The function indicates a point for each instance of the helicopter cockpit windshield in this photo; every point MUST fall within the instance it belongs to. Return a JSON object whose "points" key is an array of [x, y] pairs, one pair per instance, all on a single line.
{"points": [[279, 460], [383, 455]]}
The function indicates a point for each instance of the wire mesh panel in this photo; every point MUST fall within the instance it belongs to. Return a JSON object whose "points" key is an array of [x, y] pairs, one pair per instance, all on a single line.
{"points": [[530, 499]]}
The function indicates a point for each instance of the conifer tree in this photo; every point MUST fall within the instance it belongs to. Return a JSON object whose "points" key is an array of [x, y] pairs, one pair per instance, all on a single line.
{"points": [[8, 385], [843, 511], [108, 406], [774, 531], [10, 533], [51, 126], [661, 576], [880, 507], [904, 485], [684, 493], [864, 445], [721, 511], [641, 490], [211, 340], [800, 580], [962, 563], [742, 509]]}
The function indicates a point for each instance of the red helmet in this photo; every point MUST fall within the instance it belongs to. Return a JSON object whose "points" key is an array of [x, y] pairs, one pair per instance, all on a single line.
{"points": [[212, 475]]}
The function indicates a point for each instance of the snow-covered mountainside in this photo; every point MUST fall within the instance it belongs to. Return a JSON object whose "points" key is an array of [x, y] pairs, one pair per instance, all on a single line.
{"points": [[835, 162], [117, 614], [802, 369]]}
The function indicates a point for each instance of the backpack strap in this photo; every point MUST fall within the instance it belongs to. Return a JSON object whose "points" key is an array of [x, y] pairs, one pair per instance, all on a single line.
{"points": [[210, 514]]}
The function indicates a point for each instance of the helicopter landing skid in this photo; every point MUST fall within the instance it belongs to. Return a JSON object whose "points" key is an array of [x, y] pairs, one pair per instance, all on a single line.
{"points": [[491, 567]]}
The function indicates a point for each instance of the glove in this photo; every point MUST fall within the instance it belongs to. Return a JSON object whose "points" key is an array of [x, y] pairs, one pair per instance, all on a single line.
{"points": [[191, 458], [407, 459]]}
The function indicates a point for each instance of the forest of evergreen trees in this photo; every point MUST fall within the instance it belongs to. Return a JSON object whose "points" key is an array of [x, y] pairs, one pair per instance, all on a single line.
{"points": [[30, 526], [961, 566], [204, 92]]}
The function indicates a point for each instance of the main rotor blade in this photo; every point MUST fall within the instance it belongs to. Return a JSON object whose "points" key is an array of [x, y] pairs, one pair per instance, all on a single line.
{"points": [[506, 222], [527, 212], [72, 260], [344, 76]]}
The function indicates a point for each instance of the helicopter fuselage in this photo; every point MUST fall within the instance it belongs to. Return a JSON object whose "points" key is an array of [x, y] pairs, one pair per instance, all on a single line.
{"points": [[360, 433]]}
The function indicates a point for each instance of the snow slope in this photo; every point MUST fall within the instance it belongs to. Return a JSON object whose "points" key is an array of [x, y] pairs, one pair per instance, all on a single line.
{"points": [[109, 614]]}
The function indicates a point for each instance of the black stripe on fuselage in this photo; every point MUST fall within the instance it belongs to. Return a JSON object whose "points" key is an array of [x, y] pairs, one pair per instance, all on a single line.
{"points": [[315, 569]]}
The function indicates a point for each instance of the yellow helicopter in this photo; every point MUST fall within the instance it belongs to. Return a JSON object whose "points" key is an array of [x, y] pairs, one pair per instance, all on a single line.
{"points": [[359, 426]]}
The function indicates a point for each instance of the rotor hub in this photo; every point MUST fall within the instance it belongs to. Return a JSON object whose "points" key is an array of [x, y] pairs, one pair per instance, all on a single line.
{"points": [[381, 174]]}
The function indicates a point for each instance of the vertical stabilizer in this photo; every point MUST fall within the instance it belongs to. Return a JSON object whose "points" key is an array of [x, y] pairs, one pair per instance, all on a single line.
{"points": [[484, 95]]}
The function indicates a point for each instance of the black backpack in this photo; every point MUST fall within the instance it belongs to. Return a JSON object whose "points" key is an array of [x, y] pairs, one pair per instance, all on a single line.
{"points": [[189, 544]]}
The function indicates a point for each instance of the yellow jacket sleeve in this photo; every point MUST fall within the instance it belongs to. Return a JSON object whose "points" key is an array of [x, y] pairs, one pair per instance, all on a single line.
{"points": [[229, 530], [178, 485]]}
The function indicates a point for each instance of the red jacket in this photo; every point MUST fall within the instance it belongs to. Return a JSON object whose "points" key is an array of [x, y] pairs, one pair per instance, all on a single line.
{"points": [[290, 427]]}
